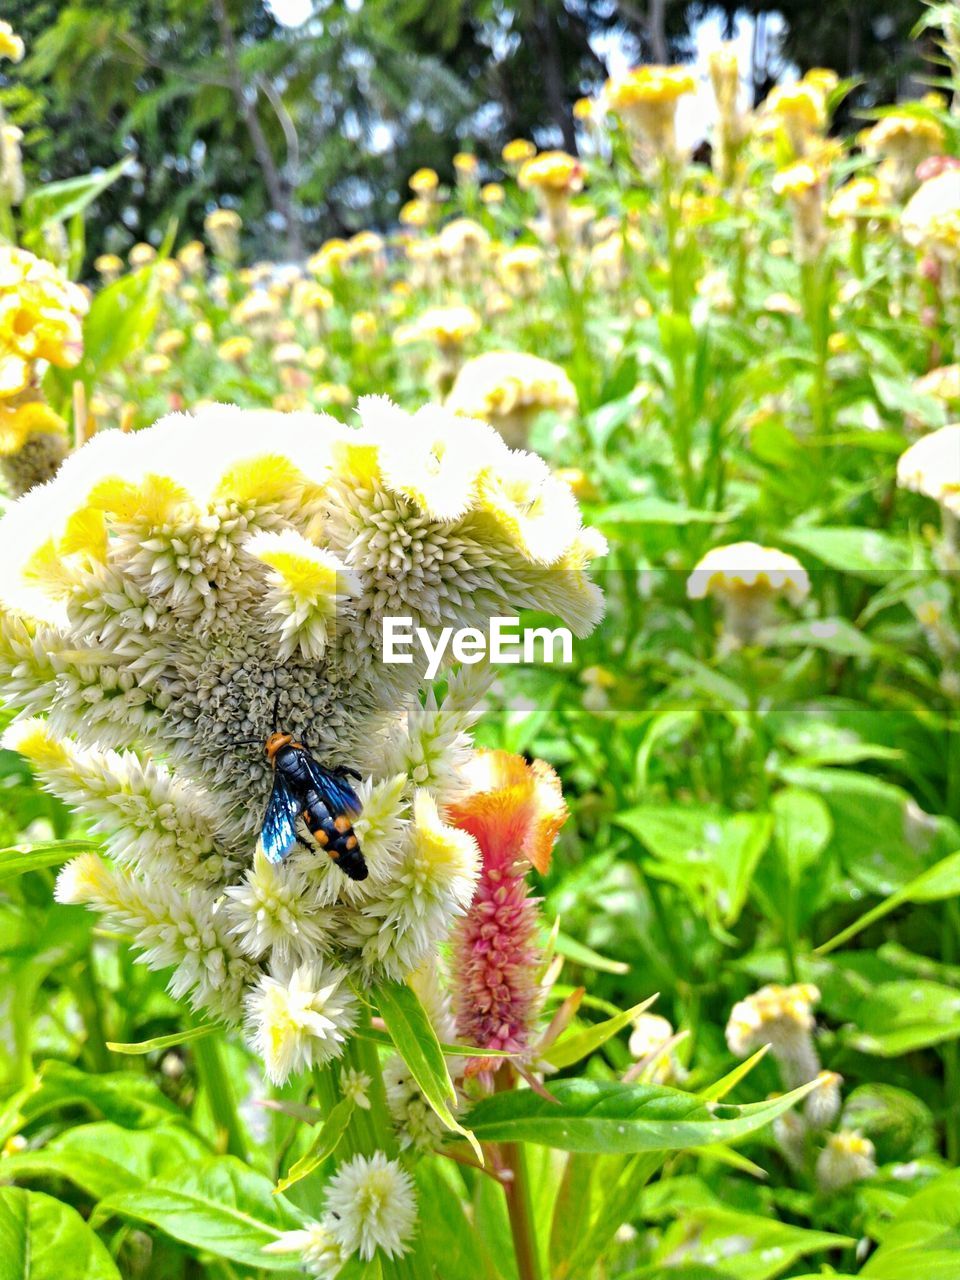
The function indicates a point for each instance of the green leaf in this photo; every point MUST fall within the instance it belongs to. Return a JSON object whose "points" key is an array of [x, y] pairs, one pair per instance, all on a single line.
{"points": [[600, 1116], [832, 635], [104, 1159], [802, 828], [43, 1239], [571, 1048], [385, 1040], [126, 1098], [326, 1141], [17, 860], [220, 1206], [164, 1042], [416, 1041], [618, 1205], [656, 511], [942, 880], [720, 1088], [923, 1241], [752, 1247], [60, 201], [863, 552], [579, 953], [900, 1017]]}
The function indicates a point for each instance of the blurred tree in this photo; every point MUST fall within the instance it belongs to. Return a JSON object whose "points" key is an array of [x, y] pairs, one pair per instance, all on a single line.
{"points": [[314, 130]]}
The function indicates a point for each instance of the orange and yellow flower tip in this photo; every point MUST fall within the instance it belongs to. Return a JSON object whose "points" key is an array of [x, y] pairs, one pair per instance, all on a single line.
{"points": [[424, 182], [517, 151], [552, 172], [11, 45], [514, 810]]}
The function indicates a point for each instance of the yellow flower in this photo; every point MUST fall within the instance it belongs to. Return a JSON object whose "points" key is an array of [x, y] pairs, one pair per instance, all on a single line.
{"points": [[309, 296], [109, 266], [191, 256], [223, 230], [365, 244], [517, 151], [465, 164], [447, 326], [170, 340], [363, 326], [857, 199], [40, 313], [141, 255], [156, 365], [646, 98], [492, 193], [424, 182], [555, 173], [416, 213], [583, 109], [330, 257], [235, 350], [18, 422], [797, 180], [11, 45], [509, 389]]}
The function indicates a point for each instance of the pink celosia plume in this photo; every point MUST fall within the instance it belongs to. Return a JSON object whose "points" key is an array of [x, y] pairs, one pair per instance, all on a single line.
{"points": [[514, 811]]}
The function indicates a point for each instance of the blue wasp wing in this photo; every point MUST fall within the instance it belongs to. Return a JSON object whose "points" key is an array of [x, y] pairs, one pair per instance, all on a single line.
{"points": [[279, 832], [333, 788]]}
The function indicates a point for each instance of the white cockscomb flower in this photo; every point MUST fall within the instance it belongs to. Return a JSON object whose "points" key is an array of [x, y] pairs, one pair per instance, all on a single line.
{"points": [[300, 1019], [313, 1248], [783, 1018], [416, 1122], [931, 220], [509, 389], [271, 912], [650, 1045], [355, 1085], [371, 1205], [848, 1157], [931, 466], [746, 579], [823, 1105], [176, 594]]}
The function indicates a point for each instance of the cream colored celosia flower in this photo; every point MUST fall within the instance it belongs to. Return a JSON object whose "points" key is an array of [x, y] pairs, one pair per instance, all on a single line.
{"points": [[317, 1252], [109, 266], [330, 257], [509, 389], [856, 201], [300, 1017], [446, 326], [463, 243], [902, 141], [848, 1157], [520, 267], [931, 219], [355, 1086], [800, 110], [650, 1046], [141, 255], [646, 99], [746, 567], [177, 593], [802, 185], [931, 466], [236, 349], [371, 1205], [783, 1018], [553, 177], [223, 229], [12, 182]]}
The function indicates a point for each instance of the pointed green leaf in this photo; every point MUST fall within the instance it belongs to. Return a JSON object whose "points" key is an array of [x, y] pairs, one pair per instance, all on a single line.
{"points": [[44, 1239], [18, 859], [570, 1049], [942, 880], [324, 1144], [164, 1042], [416, 1041]]}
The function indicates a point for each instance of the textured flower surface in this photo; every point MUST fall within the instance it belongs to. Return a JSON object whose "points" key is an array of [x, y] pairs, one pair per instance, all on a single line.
{"points": [[931, 466], [745, 567], [514, 810], [175, 595], [509, 389], [371, 1205], [783, 1018]]}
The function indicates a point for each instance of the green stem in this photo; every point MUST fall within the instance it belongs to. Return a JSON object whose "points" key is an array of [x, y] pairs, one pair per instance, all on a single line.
{"points": [[91, 1009], [208, 1055]]}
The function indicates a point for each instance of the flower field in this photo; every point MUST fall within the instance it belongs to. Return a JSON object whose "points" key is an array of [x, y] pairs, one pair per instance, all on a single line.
{"points": [[637, 962]]}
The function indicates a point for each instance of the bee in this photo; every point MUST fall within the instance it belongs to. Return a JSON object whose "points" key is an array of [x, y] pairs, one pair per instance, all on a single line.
{"points": [[322, 799]]}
